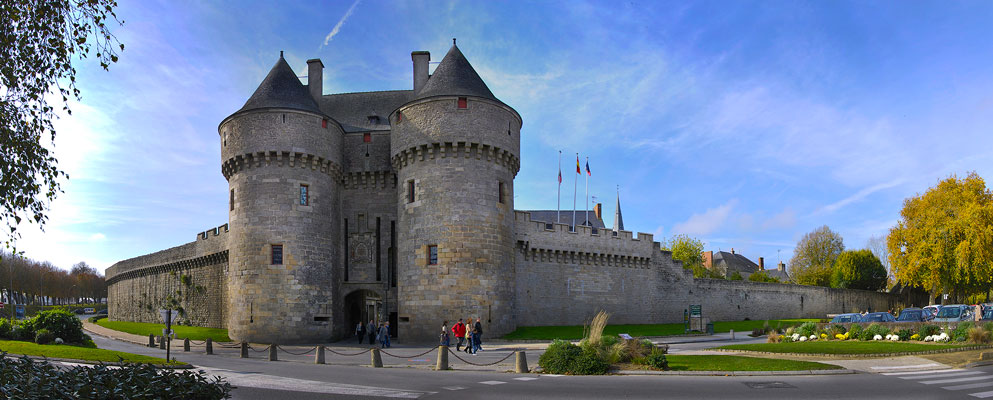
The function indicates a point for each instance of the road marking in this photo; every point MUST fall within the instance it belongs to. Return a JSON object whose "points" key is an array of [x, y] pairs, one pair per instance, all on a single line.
{"points": [[552, 375], [982, 395], [939, 371], [525, 379], [969, 386], [910, 366], [256, 380], [492, 382], [950, 375], [974, 378], [454, 387]]}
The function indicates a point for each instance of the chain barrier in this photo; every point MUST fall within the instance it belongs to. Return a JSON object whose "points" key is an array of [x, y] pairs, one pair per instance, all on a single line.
{"points": [[194, 342], [347, 354], [296, 354], [454, 353], [232, 346], [394, 355], [259, 351]]}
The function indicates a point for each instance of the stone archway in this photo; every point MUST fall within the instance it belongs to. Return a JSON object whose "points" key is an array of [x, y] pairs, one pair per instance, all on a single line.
{"points": [[363, 305]]}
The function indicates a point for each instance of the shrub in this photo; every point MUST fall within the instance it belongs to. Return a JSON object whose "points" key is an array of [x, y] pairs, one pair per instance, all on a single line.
{"points": [[873, 331], [22, 332], [961, 331], [807, 329], [773, 337], [988, 326], [43, 336], [588, 363], [929, 330], [5, 327], [979, 335], [836, 330], [854, 331], [657, 360], [904, 334], [558, 357], [62, 323]]}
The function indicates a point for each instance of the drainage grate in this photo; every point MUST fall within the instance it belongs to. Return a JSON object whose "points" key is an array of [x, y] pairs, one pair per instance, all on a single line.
{"points": [[769, 385]]}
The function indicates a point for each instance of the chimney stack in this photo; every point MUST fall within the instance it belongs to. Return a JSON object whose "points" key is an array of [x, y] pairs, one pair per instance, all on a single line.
{"points": [[781, 267], [708, 259], [732, 250], [761, 264], [598, 210], [315, 79], [420, 59]]}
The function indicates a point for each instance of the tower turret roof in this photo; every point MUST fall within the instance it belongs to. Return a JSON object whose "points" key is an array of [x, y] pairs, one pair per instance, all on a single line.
{"points": [[281, 89], [455, 77]]}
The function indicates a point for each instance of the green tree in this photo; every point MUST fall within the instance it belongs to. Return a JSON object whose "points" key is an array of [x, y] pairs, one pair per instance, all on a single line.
{"points": [[858, 269], [877, 245], [814, 256], [736, 276], [762, 276], [39, 40], [690, 251], [943, 242]]}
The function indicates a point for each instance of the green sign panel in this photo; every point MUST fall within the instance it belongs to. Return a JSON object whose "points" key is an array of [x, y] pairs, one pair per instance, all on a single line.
{"points": [[695, 310]]}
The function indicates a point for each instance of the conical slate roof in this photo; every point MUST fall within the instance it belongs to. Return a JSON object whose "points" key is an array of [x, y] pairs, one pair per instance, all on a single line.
{"points": [[618, 219], [281, 89], [455, 77]]}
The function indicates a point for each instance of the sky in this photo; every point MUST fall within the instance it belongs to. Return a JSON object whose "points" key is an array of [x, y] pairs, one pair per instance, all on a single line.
{"points": [[744, 124]]}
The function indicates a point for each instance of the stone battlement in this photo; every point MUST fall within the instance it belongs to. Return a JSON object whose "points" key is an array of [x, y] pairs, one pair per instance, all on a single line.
{"points": [[280, 158], [558, 237], [209, 242], [478, 151]]}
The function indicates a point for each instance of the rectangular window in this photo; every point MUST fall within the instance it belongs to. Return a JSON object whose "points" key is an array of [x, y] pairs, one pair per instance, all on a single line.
{"points": [[410, 191], [277, 254], [501, 192], [432, 255], [373, 119], [367, 137], [304, 196], [231, 200], [463, 102]]}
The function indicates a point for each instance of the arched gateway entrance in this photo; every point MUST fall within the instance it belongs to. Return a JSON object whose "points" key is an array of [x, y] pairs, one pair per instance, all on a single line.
{"points": [[363, 305]]}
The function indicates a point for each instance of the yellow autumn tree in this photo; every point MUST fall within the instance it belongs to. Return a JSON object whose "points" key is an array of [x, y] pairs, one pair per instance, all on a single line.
{"points": [[943, 242]]}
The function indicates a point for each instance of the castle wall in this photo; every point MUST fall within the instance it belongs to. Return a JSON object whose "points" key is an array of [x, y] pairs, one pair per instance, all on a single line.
{"points": [[192, 273]]}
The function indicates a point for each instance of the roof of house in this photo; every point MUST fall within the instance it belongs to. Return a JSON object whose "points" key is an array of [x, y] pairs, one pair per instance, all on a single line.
{"points": [[281, 89], [454, 76], [781, 275], [735, 262], [549, 216], [352, 110]]}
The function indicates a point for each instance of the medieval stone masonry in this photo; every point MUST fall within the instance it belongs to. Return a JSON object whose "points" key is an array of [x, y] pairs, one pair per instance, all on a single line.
{"points": [[399, 206]]}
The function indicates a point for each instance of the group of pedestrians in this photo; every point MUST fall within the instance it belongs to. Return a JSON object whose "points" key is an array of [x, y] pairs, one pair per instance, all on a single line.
{"points": [[380, 334], [466, 333]]}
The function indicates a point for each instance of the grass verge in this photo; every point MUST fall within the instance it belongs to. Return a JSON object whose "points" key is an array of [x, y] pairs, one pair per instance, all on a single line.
{"points": [[740, 363], [842, 347], [182, 332], [576, 331], [75, 352]]}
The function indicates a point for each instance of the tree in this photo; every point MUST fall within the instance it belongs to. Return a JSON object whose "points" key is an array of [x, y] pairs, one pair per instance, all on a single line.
{"points": [[690, 251], [736, 276], [858, 269], [39, 41], [762, 276], [943, 242], [877, 245], [814, 256]]}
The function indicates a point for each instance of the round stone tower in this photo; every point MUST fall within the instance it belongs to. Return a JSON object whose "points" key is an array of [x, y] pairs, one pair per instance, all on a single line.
{"points": [[281, 156], [456, 150]]}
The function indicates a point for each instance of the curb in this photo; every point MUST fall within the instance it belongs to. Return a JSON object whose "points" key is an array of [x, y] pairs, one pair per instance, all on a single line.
{"points": [[879, 355], [88, 362], [979, 364], [570, 340], [742, 373]]}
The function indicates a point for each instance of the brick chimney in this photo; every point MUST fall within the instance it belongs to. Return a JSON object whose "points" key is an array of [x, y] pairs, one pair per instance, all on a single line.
{"points": [[315, 79], [732, 250], [420, 59], [708, 259], [761, 264], [598, 210], [781, 267]]}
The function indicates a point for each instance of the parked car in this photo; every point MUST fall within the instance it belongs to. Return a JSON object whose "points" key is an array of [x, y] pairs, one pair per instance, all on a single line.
{"points": [[913, 315], [933, 309], [954, 313], [878, 317], [846, 318], [987, 314]]}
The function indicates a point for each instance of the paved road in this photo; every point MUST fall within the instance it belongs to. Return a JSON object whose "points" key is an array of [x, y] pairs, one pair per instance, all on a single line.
{"points": [[258, 379]]}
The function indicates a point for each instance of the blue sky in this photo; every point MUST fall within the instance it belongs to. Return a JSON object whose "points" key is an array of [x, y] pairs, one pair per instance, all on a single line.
{"points": [[745, 124]]}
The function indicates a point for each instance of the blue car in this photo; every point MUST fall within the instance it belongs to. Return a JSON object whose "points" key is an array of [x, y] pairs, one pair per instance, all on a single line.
{"points": [[954, 313], [846, 318]]}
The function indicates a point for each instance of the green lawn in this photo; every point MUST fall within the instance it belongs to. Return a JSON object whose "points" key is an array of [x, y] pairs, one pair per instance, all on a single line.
{"points": [[740, 363], [182, 332], [576, 332], [74, 352], [842, 347]]}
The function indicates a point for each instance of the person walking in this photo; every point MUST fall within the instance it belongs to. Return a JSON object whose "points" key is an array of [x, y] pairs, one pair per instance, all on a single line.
{"points": [[445, 341], [371, 331], [468, 337], [384, 335], [477, 331], [359, 331], [459, 330]]}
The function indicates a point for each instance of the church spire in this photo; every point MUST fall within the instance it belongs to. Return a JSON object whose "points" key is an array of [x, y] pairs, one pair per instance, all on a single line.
{"points": [[618, 220]]}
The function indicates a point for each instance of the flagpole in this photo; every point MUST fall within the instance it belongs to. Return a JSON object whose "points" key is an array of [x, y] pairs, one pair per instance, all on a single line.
{"points": [[588, 191], [575, 185], [558, 206]]}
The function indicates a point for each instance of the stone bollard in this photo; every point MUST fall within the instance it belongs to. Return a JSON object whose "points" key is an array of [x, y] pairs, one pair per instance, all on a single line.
{"points": [[442, 359], [151, 340], [986, 356], [210, 346], [244, 350], [319, 357], [272, 352], [732, 334], [162, 342], [377, 360], [521, 363], [186, 344]]}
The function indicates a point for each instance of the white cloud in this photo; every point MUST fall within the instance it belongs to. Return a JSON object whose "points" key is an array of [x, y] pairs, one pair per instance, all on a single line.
{"points": [[97, 237], [707, 222], [785, 219], [858, 196], [337, 27]]}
